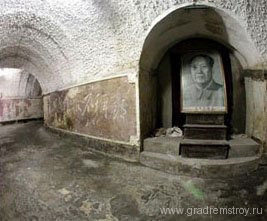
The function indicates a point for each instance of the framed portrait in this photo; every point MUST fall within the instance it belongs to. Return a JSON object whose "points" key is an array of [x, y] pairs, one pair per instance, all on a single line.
{"points": [[203, 88]]}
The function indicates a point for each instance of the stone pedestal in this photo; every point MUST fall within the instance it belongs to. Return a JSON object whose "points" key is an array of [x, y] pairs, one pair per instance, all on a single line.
{"points": [[203, 131], [207, 149], [205, 137]]}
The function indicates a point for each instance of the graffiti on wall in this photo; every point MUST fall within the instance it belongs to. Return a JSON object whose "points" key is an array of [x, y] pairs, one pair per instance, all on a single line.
{"points": [[19, 109], [105, 108]]}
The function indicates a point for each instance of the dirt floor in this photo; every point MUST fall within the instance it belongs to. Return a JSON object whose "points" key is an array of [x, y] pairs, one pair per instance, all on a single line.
{"points": [[46, 177]]}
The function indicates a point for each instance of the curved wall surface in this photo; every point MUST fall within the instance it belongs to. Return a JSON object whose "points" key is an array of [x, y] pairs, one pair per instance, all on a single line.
{"points": [[20, 96], [76, 47]]}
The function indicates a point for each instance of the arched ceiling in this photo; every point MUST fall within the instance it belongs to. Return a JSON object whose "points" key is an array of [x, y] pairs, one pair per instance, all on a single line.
{"points": [[35, 42], [201, 21], [28, 60], [70, 42], [17, 83]]}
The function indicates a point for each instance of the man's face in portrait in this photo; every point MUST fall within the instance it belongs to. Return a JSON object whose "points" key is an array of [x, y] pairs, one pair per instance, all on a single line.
{"points": [[201, 71]]}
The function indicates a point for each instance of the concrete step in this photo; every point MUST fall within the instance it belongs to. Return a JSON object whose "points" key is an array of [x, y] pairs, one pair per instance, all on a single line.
{"points": [[200, 167], [243, 147], [205, 131], [205, 119], [205, 126], [206, 149], [201, 142], [165, 145], [239, 147]]}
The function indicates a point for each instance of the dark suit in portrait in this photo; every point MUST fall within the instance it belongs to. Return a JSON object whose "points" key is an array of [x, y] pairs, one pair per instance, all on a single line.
{"points": [[212, 95], [203, 91]]}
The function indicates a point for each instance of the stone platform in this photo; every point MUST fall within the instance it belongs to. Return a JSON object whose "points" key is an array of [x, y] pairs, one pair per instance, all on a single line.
{"points": [[162, 153]]}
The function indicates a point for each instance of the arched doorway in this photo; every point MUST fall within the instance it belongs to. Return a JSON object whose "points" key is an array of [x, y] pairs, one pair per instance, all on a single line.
{"points": [[176, 32], [187, 26], [169, 85]]}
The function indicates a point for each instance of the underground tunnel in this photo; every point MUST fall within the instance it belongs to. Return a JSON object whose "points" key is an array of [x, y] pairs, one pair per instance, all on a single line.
{"points": [[133, 110]]}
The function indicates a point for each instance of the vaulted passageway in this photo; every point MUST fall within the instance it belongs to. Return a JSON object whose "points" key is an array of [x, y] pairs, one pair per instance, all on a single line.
{"points": [[20, 96], [105, 76]]}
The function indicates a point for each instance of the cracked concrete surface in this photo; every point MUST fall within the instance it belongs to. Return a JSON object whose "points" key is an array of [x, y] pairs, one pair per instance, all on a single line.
{"points": [[46, 177]]}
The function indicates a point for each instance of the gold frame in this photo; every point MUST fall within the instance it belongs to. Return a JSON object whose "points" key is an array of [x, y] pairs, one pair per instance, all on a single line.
{"points": [[195, 111]]}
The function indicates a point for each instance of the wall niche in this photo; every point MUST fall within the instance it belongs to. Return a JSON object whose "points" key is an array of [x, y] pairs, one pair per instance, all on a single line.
{"points": [[168, 86]]}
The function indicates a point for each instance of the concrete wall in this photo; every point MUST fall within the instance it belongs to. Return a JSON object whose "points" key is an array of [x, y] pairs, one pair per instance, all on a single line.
{"points": [[239, 97], [103, 110], [69, 43], [256, 97], [148, 103], [165, 92], [20, 109], [20, 96], [16, 83]]}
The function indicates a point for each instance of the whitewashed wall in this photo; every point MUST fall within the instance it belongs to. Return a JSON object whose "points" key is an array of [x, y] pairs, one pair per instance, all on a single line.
{"points": [[72, 42], [68, 42], [20, 96]]}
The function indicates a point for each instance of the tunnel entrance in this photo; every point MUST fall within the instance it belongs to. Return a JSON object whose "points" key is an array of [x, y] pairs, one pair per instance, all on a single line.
{"points": [[20, 96]]}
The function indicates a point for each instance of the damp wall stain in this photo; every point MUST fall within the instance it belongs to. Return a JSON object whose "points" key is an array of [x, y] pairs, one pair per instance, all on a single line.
{"points": [[256, 96], [18, 109], [103, 109]]}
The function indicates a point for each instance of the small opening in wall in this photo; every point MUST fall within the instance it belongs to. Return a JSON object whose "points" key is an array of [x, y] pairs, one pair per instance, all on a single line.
{"points": [[20, 96]]}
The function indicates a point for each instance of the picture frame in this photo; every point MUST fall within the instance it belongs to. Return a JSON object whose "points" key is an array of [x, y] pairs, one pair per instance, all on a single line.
{"points": [[203, 86]]}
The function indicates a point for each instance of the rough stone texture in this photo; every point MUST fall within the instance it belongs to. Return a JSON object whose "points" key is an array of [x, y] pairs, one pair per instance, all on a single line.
{"points": [[16, 83], [20, 96], [102, 109], [239, 97], [215, 23], [123, 151], [243, 147], [44, 177], [165, 92], [216, 168], [69, 42], [162, 153], [204, 149], [205, 131], [256, 97], [239, 146], [165, 145], [20, 109]]}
